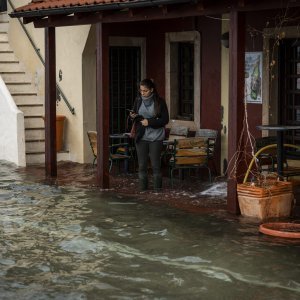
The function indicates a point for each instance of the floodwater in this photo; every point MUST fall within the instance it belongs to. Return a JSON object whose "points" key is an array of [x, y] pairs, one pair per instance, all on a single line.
{"points": [[64, 242]]}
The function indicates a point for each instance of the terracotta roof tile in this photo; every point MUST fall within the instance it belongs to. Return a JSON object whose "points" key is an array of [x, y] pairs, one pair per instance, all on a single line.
{"points": [[50, 4]]}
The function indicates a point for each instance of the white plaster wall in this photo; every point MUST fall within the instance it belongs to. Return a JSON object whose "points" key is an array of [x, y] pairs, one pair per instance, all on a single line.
{"points": [[89, 91], [224, 94], [70, 42], [12, 134]]}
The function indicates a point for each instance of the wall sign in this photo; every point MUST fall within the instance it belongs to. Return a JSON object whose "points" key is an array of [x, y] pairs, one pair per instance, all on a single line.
{"points": [[253, 77]]}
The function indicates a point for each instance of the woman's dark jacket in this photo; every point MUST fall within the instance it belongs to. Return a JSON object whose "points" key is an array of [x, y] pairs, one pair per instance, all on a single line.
{"points": [[161, 118]]}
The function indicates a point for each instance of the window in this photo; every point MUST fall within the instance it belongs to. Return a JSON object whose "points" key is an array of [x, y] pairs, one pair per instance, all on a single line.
{"points": [[186, 81], [183, 76]]}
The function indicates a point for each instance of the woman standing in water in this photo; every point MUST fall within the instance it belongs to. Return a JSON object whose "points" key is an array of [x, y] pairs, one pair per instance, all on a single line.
{"points": [[149, 143]]}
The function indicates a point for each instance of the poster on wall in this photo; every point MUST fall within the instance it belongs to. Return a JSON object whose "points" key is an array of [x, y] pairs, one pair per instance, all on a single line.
{"points": [[253, 77]]}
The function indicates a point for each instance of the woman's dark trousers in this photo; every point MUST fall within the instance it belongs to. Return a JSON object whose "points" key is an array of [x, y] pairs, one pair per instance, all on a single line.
{"points": [[146, 149]]}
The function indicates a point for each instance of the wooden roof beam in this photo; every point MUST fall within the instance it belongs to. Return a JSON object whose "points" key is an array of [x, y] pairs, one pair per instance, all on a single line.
{"points": [[27, 20], [200, 6], [164, 9], [146, 14], [77, 19], [241, 3]]}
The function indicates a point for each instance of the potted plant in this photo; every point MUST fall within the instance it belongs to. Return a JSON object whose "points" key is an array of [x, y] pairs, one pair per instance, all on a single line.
{"points": [[60, 120], [265, 198]]}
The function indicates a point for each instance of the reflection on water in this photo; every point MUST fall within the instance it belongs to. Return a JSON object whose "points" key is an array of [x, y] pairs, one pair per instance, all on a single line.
{"points": [[76, 243]]}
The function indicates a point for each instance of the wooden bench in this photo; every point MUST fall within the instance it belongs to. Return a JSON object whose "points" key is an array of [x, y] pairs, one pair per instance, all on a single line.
{"points": [[189, 153]]}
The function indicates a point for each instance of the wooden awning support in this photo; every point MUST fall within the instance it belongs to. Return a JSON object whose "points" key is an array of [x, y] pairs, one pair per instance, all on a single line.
{"points": [[102, 104], [50, 103], [236, 102], [102, 99]]}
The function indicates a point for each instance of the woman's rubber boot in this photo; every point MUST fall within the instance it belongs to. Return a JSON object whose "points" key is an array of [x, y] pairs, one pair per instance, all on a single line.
{"points": [[143, 184], [157, 183]]}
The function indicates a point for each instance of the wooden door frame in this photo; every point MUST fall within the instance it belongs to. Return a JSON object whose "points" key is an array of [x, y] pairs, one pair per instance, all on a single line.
{"points": [[270, 103]]}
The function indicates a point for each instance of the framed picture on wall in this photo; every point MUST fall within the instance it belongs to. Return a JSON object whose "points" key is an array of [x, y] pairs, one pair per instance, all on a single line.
{"points": [[253, 77]]}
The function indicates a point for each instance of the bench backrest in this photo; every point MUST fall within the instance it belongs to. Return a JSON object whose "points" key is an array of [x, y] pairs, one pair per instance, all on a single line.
{"points": [[178, 132], [206, 133], [190, 151]]}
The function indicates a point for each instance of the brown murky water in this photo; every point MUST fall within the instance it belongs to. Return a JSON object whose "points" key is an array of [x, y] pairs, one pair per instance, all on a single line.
{"points": [[74, 242]]}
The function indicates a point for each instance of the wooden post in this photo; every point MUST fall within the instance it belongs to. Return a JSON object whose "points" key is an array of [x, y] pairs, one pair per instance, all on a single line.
{"points": [[102, 107], [50, 103], [236, 102]]}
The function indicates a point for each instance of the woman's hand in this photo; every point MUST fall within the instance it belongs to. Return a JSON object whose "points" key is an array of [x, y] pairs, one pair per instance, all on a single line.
{"points": [[132, 115], [145, 122]]}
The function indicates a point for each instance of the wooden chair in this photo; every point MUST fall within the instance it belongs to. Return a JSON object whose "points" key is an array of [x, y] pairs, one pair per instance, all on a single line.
{"points": [[116, 151], [189, 153], [92, 136]]}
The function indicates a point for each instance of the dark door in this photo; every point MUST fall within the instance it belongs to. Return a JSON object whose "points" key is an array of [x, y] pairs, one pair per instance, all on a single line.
{"points": [[289, 87], [125, 74]]}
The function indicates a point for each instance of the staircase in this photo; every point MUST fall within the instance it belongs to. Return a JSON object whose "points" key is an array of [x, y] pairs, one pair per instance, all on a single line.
{"points": [[23, 91]]}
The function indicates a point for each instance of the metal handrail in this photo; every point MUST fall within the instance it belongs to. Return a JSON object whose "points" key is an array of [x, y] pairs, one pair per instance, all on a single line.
{"points": [[37, 51]]}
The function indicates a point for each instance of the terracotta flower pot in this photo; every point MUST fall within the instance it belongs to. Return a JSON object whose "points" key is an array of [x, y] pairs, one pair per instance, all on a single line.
{"points": [[60, 120], [273, 201]]}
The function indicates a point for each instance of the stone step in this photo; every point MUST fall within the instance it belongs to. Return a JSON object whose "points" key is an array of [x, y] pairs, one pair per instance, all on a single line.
{"points": [[35, 158], [34, 134], [34, 121], [7, 56], [18, 88], [24, 93], [15, 77], [35, 146], [4, 17], [27, 99], [4, 26], [11, 67], [3, 36], [4, 47], [32, 109]]}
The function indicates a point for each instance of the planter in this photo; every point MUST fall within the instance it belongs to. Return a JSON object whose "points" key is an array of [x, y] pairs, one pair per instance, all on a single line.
{"points": [[60, 120], [269, 201], [283, 230]]}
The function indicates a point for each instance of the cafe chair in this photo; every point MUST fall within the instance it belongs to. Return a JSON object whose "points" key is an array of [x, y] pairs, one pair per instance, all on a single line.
{"points": [[189, 153], [92, 136], [267, 159], [117, 152]]}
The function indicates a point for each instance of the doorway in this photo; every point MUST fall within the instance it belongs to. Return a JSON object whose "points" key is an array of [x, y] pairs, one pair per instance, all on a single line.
{"points": [[125, 74], [289, 87]]}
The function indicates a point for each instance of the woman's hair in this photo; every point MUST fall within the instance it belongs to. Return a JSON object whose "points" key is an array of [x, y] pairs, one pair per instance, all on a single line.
{"points": [[149, 84]]}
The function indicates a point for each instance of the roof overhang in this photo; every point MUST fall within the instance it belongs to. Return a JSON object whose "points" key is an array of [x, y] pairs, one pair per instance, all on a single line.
{"points": [[119, 6], [81, 13]]}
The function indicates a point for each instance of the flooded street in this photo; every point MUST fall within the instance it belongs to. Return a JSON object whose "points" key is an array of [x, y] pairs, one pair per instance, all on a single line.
{"points": [[67, 242]]}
